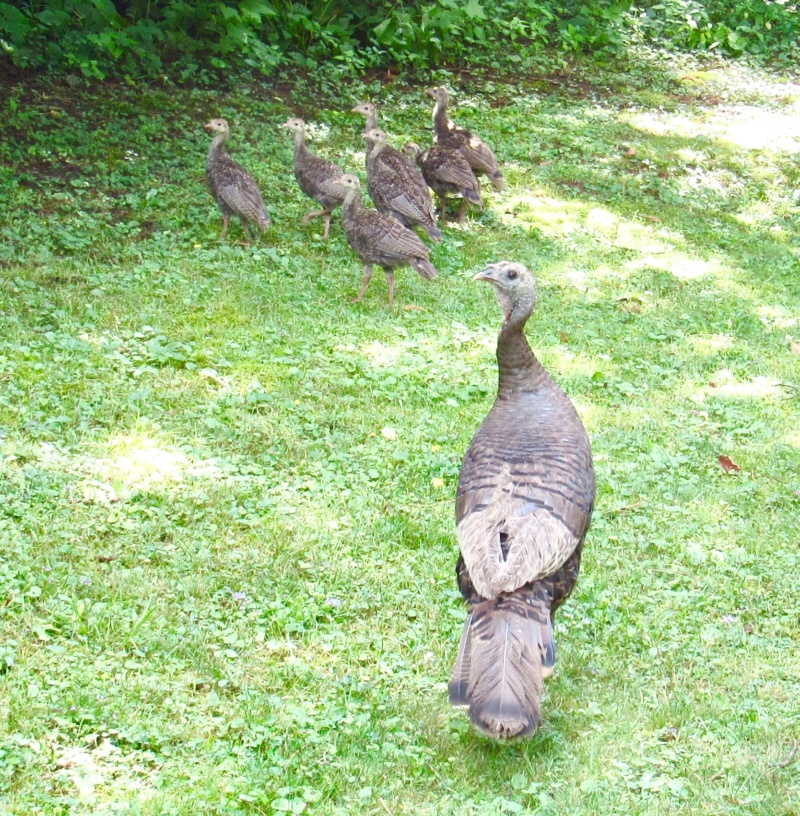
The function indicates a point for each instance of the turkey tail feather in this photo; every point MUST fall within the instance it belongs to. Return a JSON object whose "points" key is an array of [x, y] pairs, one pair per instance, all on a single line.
{"points": [[434, 233], [459, 680], [504, 652], [425, 268], [548, 645], [473, 196]]}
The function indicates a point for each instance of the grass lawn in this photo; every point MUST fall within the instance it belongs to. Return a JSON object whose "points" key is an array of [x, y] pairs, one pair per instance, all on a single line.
{"points": [[227, 493]]}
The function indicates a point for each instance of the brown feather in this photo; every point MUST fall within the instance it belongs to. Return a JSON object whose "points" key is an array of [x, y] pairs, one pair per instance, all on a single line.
{"points": [[234, 189], [499, 670], [524, 502]]}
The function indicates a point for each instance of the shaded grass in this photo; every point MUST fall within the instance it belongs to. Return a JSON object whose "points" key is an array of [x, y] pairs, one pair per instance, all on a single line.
{"points": [[228, 589]]}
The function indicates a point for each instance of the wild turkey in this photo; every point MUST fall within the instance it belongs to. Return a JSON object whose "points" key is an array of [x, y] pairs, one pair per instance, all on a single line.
{"points": [[479, 155], [397, 186], [234, 189], [447, 173], [380, 239], [318, 178], [524, 501]]}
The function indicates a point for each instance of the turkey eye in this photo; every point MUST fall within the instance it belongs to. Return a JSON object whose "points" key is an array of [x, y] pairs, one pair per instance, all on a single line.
{"points": [[512, 274]]}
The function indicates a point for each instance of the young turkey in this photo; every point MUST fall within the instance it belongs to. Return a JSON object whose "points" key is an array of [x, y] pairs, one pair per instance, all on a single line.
{"points": [[380, 239], [447, 172], [234, 189], [479, 155], [524, 501], [397, 186], [318, 178]]}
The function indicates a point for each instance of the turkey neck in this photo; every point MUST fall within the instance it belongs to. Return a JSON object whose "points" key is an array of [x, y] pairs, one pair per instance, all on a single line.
{"points": [[519, 370], [299, 142], [373, 149], [352, 202], [441, 124], [219, 141]]}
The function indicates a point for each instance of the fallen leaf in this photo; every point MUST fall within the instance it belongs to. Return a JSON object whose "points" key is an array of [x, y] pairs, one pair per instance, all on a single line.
{"points": [[795, 347], [564, 337], [712, 383], [654, 218], [412, 307], [748, 628], [437, 483], [106, 559], [389, 433], [728, 464], [631, 151]]}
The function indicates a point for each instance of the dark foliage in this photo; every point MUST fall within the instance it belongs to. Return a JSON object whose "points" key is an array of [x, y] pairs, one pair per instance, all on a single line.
{"points": [[199, 41]]}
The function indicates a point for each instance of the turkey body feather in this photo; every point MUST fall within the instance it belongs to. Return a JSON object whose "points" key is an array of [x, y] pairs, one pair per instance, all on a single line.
{"points": [[524, 502], [397, 186], [234, 189], [521, 507], [447, 172], [478, 154], [378, 238], [318, 178]]}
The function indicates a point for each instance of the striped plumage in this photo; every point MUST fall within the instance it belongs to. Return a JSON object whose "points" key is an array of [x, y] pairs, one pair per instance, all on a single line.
{"points": [[480, 156], [234, 189], [447, 172], [525, 498], [397, 186], [395, 183], [318, 178], [380, 239]]}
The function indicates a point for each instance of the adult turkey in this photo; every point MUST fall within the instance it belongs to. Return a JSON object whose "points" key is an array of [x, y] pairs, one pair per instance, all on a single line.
{"points": [[234, 189], [524, 501], [397, 187], [380, 239], [318, 178], [447, 172], [480, 156]]}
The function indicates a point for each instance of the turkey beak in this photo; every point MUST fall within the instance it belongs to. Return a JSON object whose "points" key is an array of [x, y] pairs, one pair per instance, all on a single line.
{"points": [[429, 91], [487, 274], [207, 126]]}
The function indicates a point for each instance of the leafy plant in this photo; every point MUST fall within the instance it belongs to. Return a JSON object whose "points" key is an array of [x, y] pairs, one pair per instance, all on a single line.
{"points": [[756, 26], [206, 41]]}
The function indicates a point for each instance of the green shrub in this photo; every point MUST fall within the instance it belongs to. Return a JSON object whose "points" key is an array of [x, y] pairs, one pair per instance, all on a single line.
{"points": [[187, 40], [757, 27], [96, 38]]}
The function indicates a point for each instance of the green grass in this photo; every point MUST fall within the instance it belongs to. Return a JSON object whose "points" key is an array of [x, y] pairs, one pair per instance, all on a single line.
{"points": [[226, 493]]}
